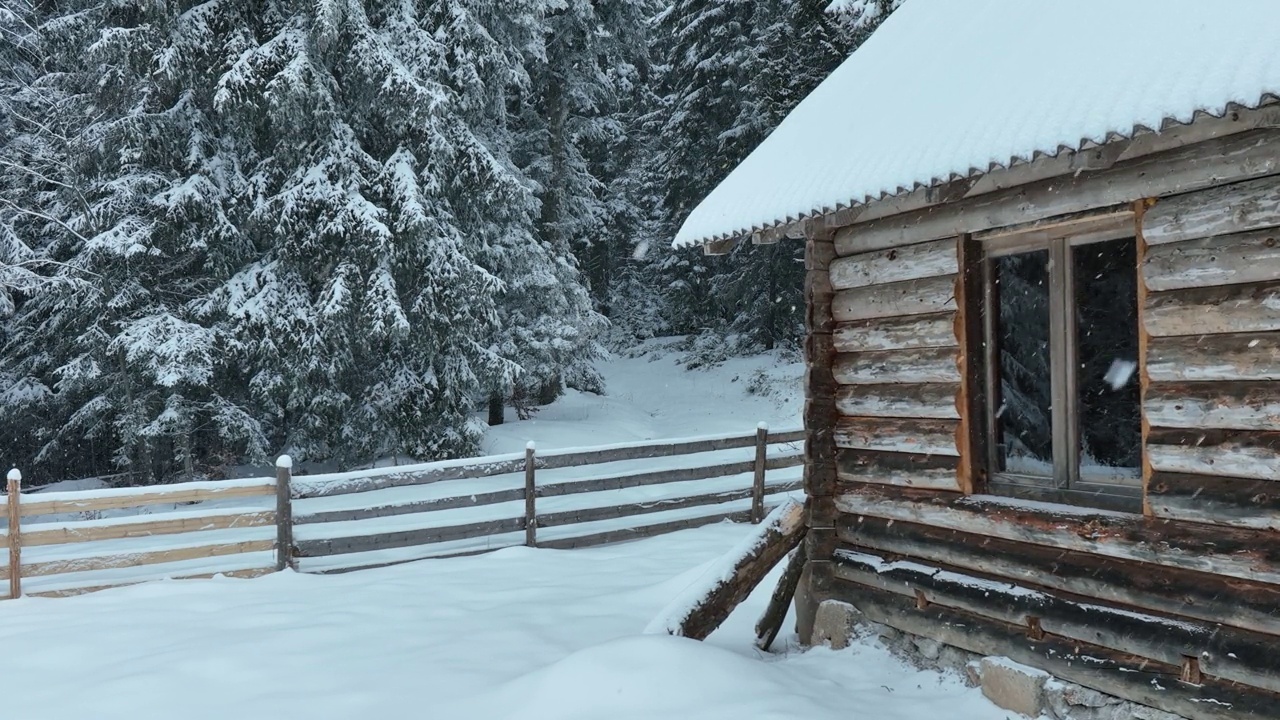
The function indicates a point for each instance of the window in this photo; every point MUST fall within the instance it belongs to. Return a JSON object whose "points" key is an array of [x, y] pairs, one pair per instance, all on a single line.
{"points": [[1061, 347]]}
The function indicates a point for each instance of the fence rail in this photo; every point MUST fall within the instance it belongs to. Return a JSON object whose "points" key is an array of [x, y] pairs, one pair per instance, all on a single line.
{"points": [[68, 542]]}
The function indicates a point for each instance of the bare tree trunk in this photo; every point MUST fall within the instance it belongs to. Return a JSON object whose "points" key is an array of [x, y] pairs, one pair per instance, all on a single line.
{"points": [[497, 409]]}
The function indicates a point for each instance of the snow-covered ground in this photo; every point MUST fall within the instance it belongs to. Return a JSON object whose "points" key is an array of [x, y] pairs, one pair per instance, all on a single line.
{"points": [[519, 633]]}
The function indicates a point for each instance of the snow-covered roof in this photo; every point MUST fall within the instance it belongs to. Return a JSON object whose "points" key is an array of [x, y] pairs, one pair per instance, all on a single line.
{"points": [[948, 89]]}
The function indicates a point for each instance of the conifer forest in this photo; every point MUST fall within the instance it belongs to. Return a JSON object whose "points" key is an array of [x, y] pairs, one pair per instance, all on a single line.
{"points": [[348, 229]]}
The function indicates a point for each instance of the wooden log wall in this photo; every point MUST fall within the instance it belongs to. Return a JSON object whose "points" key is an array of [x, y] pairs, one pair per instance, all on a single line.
{"points": [[1178, 608]]}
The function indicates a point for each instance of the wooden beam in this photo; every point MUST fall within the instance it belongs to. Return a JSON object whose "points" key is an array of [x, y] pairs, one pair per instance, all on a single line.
{"points": [[720, 247], [1237, 157], [908, 470], [1224, 260], [147, 525], [1214, 310], [910, 262], [1222, 210], [927, 400], [1208, 405], [929, 365], [912, 332], [911, 297], [920, 436], [129, 498], [1216, 500], [1202, 451]]}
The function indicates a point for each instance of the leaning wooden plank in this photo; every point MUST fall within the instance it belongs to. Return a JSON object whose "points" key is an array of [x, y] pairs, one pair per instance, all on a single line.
{"points": [[406, 538], [1247, 356], [1120, 674], [410, 508], [775, 613], [1221, 210], [699, 610], [642, 531], [1229, 654], [574, 517], [1226, 405], [1233, 552], [929, 472], [912, 297], [921, 437], [1229, 260], [1249, 308], [910, 262], [657, 477], [1181, 593], [930, 365], [901, 400], [142, 526], [896, 333], [1234, 453], [95, 500], [1244, 156], [1216, 500], [108, 562]]}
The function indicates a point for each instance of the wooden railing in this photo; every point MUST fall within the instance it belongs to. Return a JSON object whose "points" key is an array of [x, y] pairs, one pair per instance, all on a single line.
{"points": [[69, 542]]}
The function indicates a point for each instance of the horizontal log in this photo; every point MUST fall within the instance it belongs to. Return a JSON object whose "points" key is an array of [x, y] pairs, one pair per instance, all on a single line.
{"points": [[247, 574], [898, 333], [1234, 552], [1233, 453], [922, 437], [1249, 356], [1216, 500], [657, 477], [406, 538], [930, 400], [929, 365], [910, 262], [176, 495], [613, 512], [1228, 260], [913, 297], [1120, 674], [931, 472], [1204, 405], [1206, 164], [1233, 655], [384, 511], [786, 437], [1157, 588], [89, 530], [1252, 308], [644, 531], [1221, 210], [123, 560]]}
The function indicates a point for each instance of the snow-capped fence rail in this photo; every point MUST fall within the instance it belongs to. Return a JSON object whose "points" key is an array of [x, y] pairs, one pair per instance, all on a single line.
{"points": [[64, 543]]}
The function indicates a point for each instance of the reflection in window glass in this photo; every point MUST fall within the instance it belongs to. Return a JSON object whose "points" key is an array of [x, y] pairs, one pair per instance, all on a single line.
{"points": [[1107, 385], [1024, 419]]}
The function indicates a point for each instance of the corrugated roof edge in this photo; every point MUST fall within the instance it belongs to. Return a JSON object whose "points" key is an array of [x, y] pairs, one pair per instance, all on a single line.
{"points": [[1168, 123]]}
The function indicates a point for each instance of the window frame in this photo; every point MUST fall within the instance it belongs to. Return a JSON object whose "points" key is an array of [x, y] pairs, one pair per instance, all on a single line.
{"points": [[1067, 485]]}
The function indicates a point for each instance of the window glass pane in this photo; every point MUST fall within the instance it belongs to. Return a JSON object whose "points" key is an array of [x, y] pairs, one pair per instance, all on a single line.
{"points": [[1107, 385], [1024, 419]]}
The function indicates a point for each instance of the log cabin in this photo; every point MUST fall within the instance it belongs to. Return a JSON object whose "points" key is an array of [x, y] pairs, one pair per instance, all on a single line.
{"points": [[1043, 337]]}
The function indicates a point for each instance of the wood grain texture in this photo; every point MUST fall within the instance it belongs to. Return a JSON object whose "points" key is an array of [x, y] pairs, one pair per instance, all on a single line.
{"points": [[912, 297], [1207, 405], [1233, 655], [910, 262], [137, 559], [1206, 164], [929, 400], [930, 472], [1228, 260], [1246, 356], [1233, 453], [900, 333], [641, 531], [88, 531], [1143, 586], [1220, 210], [921, 437], [161, 496], [1248, 308], [612, 512], [1217, 500], [406, 538], [1248, 555], [929, 365]]}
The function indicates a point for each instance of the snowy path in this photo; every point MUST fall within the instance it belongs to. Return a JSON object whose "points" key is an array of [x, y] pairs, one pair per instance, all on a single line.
{"points": [[518, 633]]}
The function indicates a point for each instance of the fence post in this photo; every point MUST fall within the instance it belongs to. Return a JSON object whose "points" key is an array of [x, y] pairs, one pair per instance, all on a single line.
{"points": [[757, 485], [15, 533], [284, 514], [530, 496]]}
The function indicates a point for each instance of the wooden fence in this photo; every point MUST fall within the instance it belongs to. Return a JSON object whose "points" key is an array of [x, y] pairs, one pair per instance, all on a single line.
{"points": [[64, 543]]}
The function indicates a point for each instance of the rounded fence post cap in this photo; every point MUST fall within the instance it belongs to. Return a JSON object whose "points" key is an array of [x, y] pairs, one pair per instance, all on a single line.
{"points": [[284, 462], [15, 474], [529, 445], [762, 426]]}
